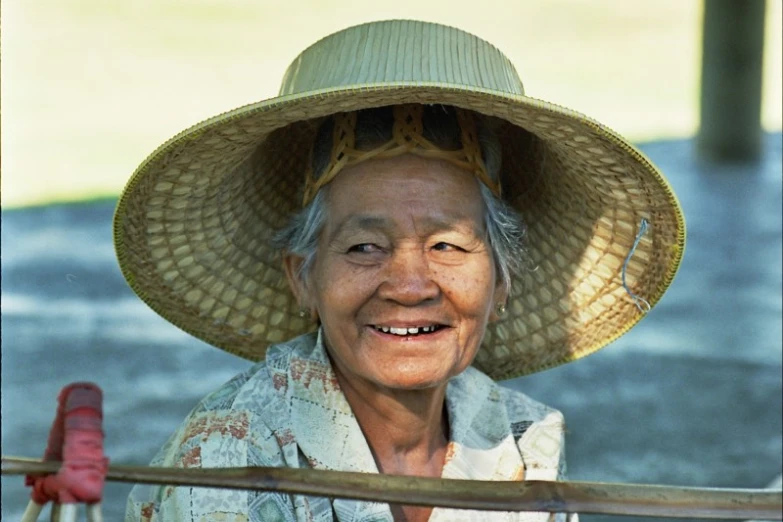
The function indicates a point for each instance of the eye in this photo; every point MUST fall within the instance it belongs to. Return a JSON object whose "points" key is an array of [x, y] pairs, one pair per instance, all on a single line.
{"points": [[364, 248], [446, 247]]}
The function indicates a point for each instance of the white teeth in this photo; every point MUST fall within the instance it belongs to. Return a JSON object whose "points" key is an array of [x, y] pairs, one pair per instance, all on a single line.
{"points": [[405, 331]]}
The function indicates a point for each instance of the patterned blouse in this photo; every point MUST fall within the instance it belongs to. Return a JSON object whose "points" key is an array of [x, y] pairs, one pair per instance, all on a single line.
{"points": [[288, 411]]}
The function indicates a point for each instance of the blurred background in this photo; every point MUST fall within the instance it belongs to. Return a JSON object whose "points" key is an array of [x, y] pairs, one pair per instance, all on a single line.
{"points": [[692, 396]]}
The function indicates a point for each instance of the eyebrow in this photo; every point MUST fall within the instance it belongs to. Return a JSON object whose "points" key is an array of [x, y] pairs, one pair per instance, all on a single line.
{"points": [[368, 222], [359, 223]]}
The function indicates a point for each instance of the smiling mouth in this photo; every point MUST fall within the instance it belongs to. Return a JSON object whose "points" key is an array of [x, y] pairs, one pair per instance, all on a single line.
{"points": [[412, 331]]}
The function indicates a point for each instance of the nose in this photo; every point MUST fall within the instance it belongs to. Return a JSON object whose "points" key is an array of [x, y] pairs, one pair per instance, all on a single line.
{"points": [[408, 278]]}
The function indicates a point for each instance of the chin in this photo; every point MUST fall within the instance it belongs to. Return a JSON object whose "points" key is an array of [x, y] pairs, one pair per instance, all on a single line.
{"points": [[406, 378], [414, 385]]}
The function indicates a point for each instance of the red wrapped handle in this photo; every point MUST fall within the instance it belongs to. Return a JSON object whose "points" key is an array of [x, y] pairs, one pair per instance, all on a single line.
{"points": [[76, 438]]}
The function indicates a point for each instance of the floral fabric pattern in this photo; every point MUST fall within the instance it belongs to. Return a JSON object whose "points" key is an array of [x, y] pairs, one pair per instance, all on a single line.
{"points": [[289, 411]]}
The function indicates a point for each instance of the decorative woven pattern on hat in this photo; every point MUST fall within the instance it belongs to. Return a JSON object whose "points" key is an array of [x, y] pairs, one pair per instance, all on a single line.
{"points": [[407, 138], [193, 225]]}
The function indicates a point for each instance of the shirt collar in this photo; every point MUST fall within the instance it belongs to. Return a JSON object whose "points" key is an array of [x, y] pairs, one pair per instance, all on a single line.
{"points": [[481, 446], [322, 421]]}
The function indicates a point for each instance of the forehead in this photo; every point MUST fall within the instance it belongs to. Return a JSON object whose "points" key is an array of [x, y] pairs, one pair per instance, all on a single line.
{"points": [[379, 193]]}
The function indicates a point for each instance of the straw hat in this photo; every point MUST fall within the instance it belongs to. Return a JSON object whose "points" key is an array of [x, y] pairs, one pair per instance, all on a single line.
{"points": [[606, 233]]}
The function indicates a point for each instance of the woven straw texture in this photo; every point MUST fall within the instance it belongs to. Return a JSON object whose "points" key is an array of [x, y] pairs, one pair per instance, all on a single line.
{"points": [[193, 226]]}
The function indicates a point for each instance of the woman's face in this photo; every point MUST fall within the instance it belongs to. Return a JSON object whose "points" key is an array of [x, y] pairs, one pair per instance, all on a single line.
{"points": [[404, 282]]}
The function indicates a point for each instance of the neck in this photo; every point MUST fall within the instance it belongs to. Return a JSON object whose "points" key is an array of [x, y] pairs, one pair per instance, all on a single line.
{"points": [[407, 430]]}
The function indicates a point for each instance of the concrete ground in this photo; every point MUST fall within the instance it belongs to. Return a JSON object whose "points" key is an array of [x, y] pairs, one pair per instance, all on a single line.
{"points": [[692, 396]]}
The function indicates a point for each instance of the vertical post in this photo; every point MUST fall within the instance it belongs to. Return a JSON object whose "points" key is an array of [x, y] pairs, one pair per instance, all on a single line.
{"points": [[732, 55]]}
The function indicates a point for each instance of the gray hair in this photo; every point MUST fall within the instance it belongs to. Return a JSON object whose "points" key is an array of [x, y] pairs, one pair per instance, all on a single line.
{"points": [[506, 231]]}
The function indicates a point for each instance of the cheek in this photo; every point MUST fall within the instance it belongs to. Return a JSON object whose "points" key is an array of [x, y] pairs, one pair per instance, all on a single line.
{"points": [[470, 292], [339, 286]]}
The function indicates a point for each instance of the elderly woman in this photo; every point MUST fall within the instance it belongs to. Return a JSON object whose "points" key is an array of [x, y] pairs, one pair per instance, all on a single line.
{"points": [[363, 237]]}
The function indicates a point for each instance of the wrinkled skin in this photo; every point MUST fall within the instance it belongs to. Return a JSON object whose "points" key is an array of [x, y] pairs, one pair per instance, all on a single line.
{"points": [[403, 247]]}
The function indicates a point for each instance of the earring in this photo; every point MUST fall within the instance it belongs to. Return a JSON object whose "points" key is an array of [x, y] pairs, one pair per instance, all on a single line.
{"points": [[303, 313], [501, 309]]}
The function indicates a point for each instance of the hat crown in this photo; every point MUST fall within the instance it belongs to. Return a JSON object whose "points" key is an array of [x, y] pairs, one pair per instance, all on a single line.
{"points": [[401, 51]]}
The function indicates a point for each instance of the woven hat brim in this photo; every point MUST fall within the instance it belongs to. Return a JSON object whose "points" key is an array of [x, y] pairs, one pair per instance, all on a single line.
{"points": [[192, 226]]}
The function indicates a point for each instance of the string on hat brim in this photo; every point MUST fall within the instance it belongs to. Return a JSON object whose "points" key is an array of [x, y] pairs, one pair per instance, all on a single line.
{"points": [[641, 303]]}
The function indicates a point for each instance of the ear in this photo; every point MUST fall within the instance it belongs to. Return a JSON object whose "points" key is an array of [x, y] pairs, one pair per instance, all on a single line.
{"points": [[499, 297], [292, 265]]}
